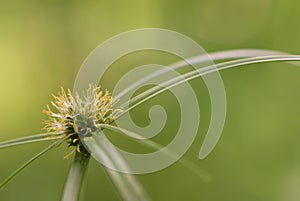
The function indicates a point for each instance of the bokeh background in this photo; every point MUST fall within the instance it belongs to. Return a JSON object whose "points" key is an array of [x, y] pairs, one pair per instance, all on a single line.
{"points": [[43, 43]]}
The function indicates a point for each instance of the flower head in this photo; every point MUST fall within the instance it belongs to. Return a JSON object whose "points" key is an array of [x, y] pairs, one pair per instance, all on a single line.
{"points": [[76, 116]]}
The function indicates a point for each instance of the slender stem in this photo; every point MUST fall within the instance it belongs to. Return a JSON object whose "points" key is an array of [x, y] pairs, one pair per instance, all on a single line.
{"points": [[214, 56], [154, 91], [75, 178], [128, 186], [30, 139], [156, 146], [22, 167]]}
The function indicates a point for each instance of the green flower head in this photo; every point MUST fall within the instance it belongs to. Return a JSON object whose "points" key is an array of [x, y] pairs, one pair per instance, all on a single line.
{"points": [[76, 116]]}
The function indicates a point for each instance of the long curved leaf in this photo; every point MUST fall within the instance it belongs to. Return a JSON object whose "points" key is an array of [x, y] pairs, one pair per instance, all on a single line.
{"points": [[214, 56], [156, 90], [156, 146], [29, 139], [16, 172], [127, 185], [211, 140]]}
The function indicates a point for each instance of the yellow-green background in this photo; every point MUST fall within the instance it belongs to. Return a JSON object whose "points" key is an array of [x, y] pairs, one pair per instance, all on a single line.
{"points": [[43, 43]]}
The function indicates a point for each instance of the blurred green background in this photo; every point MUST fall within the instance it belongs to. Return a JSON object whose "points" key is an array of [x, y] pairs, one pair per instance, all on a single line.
{"points": [[43, 43]]}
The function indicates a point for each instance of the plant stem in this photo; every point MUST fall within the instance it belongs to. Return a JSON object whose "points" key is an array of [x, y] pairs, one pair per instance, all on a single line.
{"points": [[75, 178], [30, 139], [16, 172]]}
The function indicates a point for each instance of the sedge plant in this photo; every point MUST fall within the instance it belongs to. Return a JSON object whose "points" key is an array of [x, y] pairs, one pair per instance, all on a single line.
{"points": [[72, 118]]}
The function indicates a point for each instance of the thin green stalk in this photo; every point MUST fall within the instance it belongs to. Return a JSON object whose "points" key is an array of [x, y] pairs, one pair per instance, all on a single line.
{"points": [[127, 185], [156, 90], [76, 177], [214, 56], [16, 172], [29, 139], [156, 146]]}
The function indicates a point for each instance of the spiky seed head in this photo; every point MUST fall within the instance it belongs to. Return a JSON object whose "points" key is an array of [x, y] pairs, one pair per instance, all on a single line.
{"points": [[76, 116]]}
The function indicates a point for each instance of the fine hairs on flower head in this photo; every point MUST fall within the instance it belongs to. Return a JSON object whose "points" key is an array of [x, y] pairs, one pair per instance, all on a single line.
{"points": [[76, 116]]}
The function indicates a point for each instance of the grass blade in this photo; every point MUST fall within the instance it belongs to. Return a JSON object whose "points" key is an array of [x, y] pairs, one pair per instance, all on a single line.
{"points": [[156, 146], [16, 172], [75, 178], [215, 56], [127, 185], [29, 139], [156, 90], [211, 140]]}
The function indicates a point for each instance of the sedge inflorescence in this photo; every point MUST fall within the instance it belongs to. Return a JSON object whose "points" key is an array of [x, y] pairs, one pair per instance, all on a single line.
{"points": [[77, 116]]}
